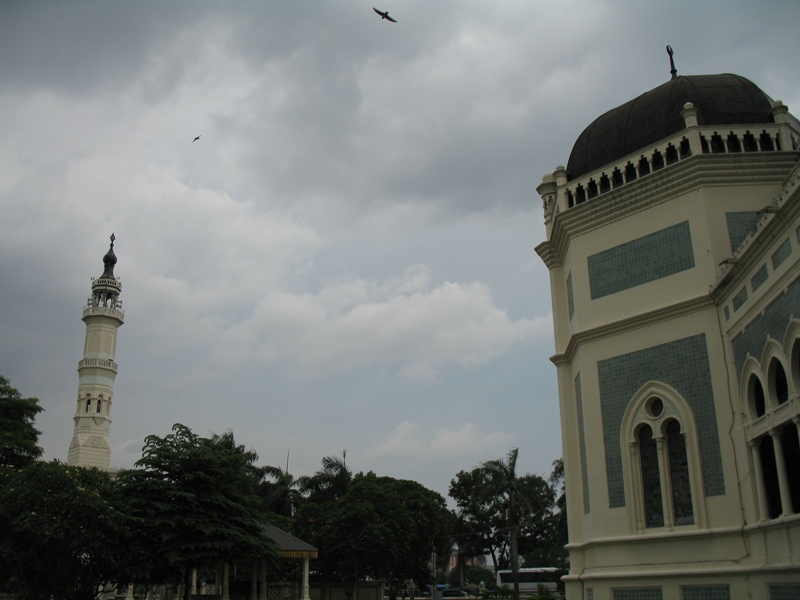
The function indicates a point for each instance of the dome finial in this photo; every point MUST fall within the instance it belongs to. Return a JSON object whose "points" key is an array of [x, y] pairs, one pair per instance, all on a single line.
{"points": [[672, 70], [109, 260]]}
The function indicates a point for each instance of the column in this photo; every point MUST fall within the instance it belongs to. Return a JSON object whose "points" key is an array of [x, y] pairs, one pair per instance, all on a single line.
{"points": [[254, 580], [194, 582], [763, 506], [666, 484], [262, 590], [225, 574], [306, 595], [783, 479]]}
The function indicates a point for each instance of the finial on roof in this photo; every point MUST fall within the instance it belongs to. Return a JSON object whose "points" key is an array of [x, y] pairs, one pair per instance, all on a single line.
{"points": [[109, 260], [672, 70]]}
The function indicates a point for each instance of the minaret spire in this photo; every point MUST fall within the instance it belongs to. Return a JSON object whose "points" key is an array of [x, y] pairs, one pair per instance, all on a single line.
{"points": [[103, 315]]}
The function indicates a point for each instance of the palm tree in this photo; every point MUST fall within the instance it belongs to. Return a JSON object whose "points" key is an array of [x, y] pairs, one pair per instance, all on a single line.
{"points": [[521, 496], [281, 496], [330, 482]]}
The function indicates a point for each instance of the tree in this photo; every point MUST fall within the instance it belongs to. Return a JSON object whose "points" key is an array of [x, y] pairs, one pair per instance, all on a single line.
{"points": [[381, 528], [196, 504], [330, 482], [281, 496], [64, 531], [506, 501], [18, 437]]}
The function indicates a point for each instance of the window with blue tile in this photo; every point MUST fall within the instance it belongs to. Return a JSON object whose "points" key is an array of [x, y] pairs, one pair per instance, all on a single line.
{"points": [[582, 440], [641, 261], [740, 225], [682, 364], [784, 591], [705, 592], [740, 298], [781, 254], [772, 322], [759, 277], [570, 297], [644, 593]]}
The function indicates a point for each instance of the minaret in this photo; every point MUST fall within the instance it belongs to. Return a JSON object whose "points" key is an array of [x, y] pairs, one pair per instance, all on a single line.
{"points": [[103, 314]]}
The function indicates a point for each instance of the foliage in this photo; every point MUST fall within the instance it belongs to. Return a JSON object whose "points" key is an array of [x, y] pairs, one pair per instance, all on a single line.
{"points": [[18, 437], [330, 482], [550, 550], [281, 496], [380, 528], [195, 499], [64, 531], [512, 506]]}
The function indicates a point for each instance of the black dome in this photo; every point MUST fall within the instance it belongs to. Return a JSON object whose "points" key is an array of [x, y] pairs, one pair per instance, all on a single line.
{"points": [[720, 99]]}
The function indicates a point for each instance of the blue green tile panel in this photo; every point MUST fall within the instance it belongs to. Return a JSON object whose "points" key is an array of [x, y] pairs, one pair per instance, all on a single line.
{"points": [[641, 261], [771, 322], [582, 441], [759, 277], [705, 592], [589, 594], [682, 364], [739, 299], [644, 593], [740, 224], [570, 297], [784, 591], [781, 254]]}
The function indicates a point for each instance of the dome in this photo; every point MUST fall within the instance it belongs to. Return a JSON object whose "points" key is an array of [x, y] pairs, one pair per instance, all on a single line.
{"points": [[109, 260], [720, 99]]}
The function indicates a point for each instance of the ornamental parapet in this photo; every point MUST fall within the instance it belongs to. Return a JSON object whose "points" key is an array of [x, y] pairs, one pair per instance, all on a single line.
{"points": [[694, 140], [104, 311], [104, 363], [107, 282]]}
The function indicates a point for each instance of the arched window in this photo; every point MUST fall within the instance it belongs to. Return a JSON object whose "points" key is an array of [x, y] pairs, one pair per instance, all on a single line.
{"points": [[651, 479], [755, 395], [662, 466], [679, 475], [89, 405], [99, 406], [778, 385]]}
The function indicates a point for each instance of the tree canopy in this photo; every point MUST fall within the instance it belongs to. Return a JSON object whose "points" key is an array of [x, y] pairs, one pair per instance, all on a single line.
{"points": [[381, 528], [18, 437], [195, 498], [504, 506], [64, 528]]}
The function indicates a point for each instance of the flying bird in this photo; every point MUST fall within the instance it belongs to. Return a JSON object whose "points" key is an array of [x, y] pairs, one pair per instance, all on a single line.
{"points": [[197, 138], [384, 15]]}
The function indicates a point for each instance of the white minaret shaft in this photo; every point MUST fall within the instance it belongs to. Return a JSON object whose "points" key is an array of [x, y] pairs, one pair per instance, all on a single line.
{"points": [[103, 315]]}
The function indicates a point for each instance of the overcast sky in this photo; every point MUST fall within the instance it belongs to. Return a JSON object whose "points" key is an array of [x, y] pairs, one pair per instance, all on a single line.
{"points": [[345, 259]]}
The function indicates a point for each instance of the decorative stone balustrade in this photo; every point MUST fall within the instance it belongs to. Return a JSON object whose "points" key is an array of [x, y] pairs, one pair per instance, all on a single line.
{"points": [[98, 362], [693, 141], [116, 312]]}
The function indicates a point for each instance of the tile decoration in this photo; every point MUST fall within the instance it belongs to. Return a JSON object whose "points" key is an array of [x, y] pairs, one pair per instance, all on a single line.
{"points": [[682, 364], [759, 277], [739, 299], [582, 439], [648, 593], [570, 297], [784, 591], [740, 224], [772, 322], [781, 254], [641, 261], [705, 592]]}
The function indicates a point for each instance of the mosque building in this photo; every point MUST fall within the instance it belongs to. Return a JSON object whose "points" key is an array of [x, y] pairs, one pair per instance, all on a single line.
{"points": [[103, 315], [673, 246]]}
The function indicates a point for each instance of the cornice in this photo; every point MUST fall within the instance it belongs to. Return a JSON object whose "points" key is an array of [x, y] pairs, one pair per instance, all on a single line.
{"points": [[775, 219], [635, 322], [706, 170]]}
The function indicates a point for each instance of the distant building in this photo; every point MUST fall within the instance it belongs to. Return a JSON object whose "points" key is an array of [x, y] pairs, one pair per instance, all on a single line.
{"points": [[673, 245], [103, 314]]}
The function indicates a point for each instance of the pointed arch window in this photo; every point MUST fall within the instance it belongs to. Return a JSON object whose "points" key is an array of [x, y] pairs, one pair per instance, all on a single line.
{"points": [[89, 405], [99, 406], [663, 476]]}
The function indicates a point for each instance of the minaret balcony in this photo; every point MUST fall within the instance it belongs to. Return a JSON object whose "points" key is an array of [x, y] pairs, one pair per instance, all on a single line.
{"points": [[107, 282], [104, 311], [104, 363]]}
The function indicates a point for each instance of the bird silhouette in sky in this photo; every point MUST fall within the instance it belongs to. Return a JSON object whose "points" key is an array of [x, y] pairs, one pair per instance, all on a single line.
{"points": [[384, 15], [197, 138]]}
